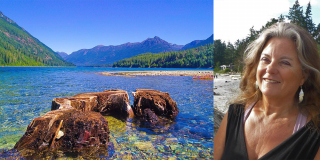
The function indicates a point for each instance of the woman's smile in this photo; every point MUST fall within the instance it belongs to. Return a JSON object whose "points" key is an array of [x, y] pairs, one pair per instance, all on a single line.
{"points": [[270, 81]]}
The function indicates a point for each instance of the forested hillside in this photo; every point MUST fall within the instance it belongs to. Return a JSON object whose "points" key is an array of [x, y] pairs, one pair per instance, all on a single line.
{"points": [[200, 57], [228, 53], [19, 48]]}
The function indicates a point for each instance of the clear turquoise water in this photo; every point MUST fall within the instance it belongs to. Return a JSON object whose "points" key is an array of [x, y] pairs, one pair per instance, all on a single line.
{"points": [[27, 93]]}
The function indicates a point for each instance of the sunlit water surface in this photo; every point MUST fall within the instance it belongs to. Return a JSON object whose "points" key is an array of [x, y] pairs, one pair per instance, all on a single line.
{"points": [[27, 93]]}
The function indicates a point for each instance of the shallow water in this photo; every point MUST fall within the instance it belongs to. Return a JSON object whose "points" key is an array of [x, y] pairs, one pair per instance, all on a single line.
{"points": [[27, 93]]}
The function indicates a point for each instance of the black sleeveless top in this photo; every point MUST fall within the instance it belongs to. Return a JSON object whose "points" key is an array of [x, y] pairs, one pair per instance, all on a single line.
{"points": [[302, 145]]}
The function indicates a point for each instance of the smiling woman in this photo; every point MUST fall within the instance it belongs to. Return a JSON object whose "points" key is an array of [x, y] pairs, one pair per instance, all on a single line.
{"points": [[267, 121]]}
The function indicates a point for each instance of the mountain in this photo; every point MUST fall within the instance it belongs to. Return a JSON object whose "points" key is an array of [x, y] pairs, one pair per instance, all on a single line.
{"points": [[197, 43], [20, 48], [102, 55], [62, 54]]}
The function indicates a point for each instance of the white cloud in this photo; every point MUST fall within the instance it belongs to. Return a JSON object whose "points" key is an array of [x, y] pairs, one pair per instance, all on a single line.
{"points": [[234, 18]]}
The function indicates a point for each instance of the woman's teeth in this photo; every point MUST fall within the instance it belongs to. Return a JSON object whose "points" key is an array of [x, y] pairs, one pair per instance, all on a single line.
{"points": [[269, 80]]}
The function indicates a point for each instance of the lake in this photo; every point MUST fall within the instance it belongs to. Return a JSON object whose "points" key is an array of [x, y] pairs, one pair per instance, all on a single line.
{"points": [[27, 93]]}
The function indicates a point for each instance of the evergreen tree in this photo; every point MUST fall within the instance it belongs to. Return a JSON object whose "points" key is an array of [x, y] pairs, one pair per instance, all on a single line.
{"points": [[316, 34], [309, 25], [281, 18], [219, 52], [253, 35], [270, 23], [229, 53], [296, 14]]}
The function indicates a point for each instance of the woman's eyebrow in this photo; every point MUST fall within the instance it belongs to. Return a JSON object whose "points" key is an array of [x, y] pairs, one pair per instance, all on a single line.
{"points": [[286, 57], [265, 54]]}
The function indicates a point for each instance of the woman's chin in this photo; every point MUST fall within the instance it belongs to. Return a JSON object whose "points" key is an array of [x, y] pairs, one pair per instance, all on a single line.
{"points": [[271, 94]]}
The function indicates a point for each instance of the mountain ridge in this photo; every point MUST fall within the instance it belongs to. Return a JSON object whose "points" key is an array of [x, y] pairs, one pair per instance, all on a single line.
{"points": [[104, 55], [101, 55], [19, 48], [62, 54], [198, 43]]}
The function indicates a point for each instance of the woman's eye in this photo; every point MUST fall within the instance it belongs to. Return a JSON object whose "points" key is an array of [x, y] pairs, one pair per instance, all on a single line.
{"points": [[286, 63], [264, 59]]}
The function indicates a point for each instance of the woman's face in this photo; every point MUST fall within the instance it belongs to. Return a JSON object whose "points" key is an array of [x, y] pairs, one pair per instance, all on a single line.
{"points": [[279, 72]]}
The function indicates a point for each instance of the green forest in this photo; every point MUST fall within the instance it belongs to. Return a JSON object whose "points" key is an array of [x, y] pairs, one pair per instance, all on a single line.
{"points": [[19, 48], [228, 53], [200, 57]]}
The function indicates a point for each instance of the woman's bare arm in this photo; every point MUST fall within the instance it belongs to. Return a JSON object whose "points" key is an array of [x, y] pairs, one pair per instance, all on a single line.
{"points": [[220, 138]]}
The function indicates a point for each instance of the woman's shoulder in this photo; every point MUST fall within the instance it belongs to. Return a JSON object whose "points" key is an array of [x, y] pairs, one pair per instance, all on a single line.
{"points": [[236, 106], [236, 109]]}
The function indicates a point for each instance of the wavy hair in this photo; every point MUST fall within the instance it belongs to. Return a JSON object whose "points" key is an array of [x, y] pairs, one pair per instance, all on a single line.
{"points": [[308, 56]]}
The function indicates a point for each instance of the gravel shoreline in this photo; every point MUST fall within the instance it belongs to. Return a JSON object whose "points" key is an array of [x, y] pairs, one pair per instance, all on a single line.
{"points": [[226, 88], [156, 73]]}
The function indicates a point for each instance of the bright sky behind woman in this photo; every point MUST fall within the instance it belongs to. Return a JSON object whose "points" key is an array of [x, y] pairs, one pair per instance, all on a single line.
{"points": [[234, 18], [71, 25]]}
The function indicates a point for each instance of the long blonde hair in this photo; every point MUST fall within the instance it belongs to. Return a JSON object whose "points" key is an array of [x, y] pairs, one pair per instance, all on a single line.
{"points": [[308, 56]]}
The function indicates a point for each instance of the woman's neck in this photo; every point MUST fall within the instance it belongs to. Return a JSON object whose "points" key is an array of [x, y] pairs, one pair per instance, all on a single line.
{"points": [[278, 108]]}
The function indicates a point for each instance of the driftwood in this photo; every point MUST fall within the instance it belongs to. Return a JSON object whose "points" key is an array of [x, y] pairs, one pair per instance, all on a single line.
{"points": [[65, 129], [152, 105], [76, 123], [109, 102]]}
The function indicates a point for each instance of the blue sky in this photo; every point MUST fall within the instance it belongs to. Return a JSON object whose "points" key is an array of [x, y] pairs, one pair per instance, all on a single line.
{"points": [[71, 25], [234, 18]]}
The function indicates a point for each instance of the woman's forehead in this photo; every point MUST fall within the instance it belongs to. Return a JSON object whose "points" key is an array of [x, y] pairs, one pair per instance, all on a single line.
{"points": [[280, 47]]}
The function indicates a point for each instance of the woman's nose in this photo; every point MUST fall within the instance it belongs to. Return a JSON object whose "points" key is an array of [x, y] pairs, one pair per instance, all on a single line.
{"points": [[272, 68]]}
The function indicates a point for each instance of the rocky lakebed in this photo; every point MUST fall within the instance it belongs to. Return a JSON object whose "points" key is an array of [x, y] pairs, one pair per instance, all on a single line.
{"points": [[75, 125]]}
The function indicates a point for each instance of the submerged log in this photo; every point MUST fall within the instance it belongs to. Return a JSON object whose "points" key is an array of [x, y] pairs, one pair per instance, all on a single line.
{"points": [[66, 130], [109, 102], [152, 105]]}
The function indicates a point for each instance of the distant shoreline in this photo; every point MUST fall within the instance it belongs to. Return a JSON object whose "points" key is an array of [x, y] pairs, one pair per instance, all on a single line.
{"points": [[156, 73]]}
